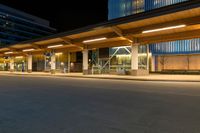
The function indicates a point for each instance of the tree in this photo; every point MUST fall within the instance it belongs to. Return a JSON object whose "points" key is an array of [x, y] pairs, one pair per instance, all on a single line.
{"points": [[163, 60]]}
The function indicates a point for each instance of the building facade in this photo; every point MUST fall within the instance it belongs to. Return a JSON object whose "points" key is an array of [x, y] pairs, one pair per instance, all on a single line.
{"points": [[122, 8], [151, 39], [17, 26], [180, 55]]}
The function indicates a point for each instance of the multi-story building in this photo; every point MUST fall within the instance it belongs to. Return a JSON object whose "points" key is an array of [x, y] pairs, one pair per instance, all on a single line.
{"points": [[152, 38], [180, 51], [17, 26]]}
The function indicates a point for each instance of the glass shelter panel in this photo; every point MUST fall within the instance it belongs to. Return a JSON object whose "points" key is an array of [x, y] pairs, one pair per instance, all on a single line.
{"points": [[62, 62], [38, 63], [20, 64]]}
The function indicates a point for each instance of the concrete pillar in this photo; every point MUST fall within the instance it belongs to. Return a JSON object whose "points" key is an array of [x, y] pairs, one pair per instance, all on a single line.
{"points": [[30, 60], [85, 62], [134, 59], [69, 62], [148, 57], [12, 64], [153, 63], [135, 71], [45, 63], [53, 63]]}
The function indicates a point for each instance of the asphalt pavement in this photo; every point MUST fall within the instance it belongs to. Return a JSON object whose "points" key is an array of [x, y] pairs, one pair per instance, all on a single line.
{"points": [[79, 105]]}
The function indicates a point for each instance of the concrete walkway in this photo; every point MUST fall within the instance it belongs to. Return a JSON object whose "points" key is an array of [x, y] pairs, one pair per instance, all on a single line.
{"points": [[151, 77]]}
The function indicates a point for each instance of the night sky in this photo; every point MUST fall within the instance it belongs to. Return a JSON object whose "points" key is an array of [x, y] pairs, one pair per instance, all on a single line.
{"points": [[75, 14]]}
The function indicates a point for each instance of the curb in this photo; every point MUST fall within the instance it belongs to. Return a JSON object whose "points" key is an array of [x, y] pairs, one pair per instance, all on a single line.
{"points": [[89, 77]]}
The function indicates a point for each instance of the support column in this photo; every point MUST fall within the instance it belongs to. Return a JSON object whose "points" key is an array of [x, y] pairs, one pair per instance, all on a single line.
{"points": [[153, 66], [68, 62], [30, 60], [45, 63], [85, 62], [148, 57], [135, 71], [12, 64], [134, 59], [53, 63]]}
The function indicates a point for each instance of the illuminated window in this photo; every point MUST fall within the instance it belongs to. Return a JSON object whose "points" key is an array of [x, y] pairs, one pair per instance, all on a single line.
{"points": [[138, 6]]}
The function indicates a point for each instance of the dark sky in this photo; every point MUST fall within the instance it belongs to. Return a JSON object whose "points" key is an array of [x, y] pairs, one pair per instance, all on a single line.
{"points": [[74, 14]]}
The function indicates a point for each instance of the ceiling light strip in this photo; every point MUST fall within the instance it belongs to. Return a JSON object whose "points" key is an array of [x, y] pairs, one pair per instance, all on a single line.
{"points": [[55, 46], [166, 28], [95, 40]]}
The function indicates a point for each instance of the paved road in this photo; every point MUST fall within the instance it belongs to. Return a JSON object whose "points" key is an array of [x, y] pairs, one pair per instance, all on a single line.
{"points": [[67, 105]]}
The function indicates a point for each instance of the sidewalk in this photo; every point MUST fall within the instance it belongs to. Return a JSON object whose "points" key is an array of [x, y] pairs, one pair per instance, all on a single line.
{"points": [[151, 77]]}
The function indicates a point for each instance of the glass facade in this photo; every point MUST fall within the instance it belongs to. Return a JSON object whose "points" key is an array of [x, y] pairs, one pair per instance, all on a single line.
{"points": [[4, 64], [65, 62], [16, 26], [116, 60], [121, 8], [177, 47], [20, 64], [38, 63]]}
